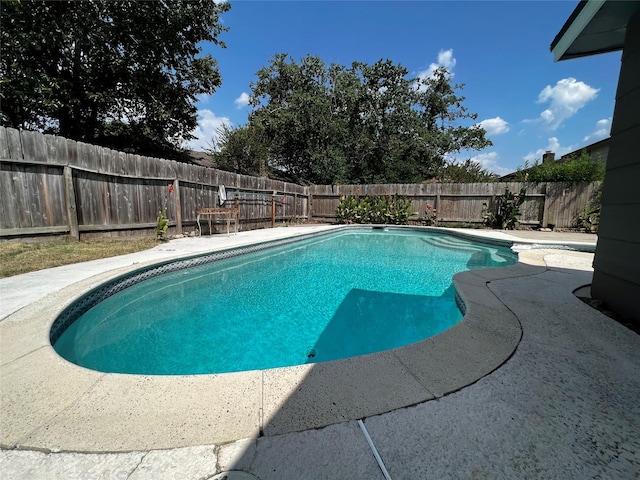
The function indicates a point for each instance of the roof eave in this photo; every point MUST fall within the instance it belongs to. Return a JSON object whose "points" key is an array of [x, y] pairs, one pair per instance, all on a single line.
{"points": [[579, 19]]}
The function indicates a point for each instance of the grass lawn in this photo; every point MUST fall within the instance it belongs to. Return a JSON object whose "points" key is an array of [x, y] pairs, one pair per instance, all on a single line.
{"points": [[17, 257]]}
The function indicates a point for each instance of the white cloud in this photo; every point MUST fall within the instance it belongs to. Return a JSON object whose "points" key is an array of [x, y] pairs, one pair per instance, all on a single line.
{"points": [[242, 100], [206, 132], [565, 99], [494, 126], [489, 161], [445, 59], [553, 146], [602, 130]]}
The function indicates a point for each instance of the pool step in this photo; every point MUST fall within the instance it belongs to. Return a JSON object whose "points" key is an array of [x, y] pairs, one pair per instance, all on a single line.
{"points": [[482, 256]]}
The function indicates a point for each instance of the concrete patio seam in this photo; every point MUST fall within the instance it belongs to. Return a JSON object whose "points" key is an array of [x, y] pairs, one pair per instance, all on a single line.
{"points": [[415, 377]]}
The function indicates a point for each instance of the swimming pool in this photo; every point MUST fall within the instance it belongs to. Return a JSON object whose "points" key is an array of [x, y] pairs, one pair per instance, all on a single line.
{"points": [[332, 296]]}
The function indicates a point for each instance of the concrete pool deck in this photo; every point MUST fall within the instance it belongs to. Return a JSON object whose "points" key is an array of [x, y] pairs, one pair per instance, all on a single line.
{"points": [[532, 383]]}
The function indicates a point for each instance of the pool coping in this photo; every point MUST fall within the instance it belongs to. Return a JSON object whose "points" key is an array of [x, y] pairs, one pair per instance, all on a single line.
{"points": [[50, 404]]}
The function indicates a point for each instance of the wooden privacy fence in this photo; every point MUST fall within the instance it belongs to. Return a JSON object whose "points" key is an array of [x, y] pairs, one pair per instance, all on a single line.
{"points": [[50, 185], [54, 186], [545, 204]]}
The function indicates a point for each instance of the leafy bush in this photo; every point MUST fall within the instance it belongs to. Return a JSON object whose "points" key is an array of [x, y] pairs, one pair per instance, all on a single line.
{"points": [[589, 218], [506, 212], [582, 169], [162, 223], [379, 209]]}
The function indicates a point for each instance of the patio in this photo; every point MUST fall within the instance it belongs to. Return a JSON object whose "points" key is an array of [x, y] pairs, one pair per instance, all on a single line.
{"points": [[562, 405]]}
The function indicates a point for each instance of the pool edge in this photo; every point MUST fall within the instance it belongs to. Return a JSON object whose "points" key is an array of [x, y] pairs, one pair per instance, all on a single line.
{"points": [[272, 413]]}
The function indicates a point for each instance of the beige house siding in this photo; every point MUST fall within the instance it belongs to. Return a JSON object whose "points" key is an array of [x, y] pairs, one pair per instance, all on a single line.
{"points": [[616, 279]]}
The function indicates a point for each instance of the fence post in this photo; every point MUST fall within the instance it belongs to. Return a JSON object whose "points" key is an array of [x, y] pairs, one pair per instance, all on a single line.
{"points": [[177, 205], [70, 200], [273, 209]]}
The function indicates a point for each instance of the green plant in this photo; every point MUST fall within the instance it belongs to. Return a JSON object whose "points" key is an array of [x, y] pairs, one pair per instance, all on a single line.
{"points": [[379, 209], [430, 215], [162, 223], [346, 210], [589, 218], [584, 168], [506, 213]]}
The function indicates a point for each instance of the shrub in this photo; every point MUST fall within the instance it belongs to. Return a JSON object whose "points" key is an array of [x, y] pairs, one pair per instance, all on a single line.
{"points": [[378, 209], [162, 223], [506, 212], [582, 169]]}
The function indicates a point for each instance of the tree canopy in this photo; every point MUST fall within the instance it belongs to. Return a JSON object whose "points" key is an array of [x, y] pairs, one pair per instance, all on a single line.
{"points": [[361, 124], [121, 74]]}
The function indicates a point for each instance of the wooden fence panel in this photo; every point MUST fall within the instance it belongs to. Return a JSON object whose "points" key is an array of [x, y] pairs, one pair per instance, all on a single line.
{"points": [[466, 203], [565, 203], [113, 193]]}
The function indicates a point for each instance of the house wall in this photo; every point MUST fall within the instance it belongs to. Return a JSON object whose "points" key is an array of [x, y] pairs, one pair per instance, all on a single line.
{"points": [[616, 279], [595, 150]]}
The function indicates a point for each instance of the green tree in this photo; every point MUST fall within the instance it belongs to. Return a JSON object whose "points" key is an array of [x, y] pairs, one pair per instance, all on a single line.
{"points": [[362, 124], [441, 109], [293, 115], [122, 74], [466, 172], [240, 150]]}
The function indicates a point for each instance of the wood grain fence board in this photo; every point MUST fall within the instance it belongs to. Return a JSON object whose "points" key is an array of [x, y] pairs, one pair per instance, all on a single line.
{"points": [[54, 194], [152, 168], [23, 202], [121, 165], [121, 194], [133, 198], [4, 143], [51, 149], [84, 160], [57, 150], [14, 144], [95, 153], [71, 152], [31, 173], [83, 197], [126, 201], [106, 157], [108, 199], [46, 176], [10, 207], [33, 146]]}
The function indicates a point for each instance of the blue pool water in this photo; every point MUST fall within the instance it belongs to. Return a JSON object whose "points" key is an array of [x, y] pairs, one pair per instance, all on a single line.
{"points": [[336, 296]]}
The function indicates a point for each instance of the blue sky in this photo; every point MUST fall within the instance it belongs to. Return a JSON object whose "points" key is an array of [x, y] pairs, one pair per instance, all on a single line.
{"points": [[498, 49]]}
